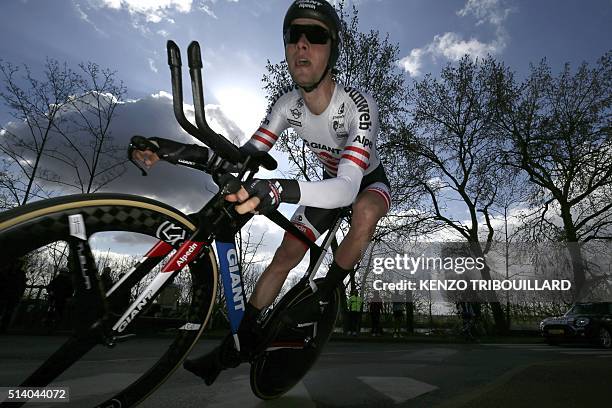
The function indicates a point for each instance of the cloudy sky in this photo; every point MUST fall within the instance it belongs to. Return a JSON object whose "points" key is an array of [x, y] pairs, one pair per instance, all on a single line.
{"points": [[239, 36]]}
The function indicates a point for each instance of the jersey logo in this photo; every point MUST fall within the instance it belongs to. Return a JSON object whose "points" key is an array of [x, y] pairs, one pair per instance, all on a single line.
{"points": [[362, 107], [320, 146], [339, 128], [284, 90], [363, 140], [296, 113], [294, 122], [341, 109]]}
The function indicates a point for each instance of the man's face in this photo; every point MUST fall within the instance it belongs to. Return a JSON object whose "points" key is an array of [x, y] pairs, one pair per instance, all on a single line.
{"points": [[307, 61]]}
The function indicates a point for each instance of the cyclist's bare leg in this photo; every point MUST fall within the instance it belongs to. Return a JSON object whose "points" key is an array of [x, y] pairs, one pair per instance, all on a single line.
{"points": [[368, 209], [287, 256]]}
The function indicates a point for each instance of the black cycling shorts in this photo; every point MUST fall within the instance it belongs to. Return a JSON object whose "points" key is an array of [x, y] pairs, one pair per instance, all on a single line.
{"points": [[313, 221]]}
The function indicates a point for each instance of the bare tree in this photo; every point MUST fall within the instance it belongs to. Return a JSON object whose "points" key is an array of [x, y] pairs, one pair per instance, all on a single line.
{"points": [[37, 104], [450, 150], [61, 121], [88, 147], [558, 132]]}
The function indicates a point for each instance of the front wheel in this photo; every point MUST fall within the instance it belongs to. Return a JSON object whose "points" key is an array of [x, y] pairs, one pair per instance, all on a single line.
{"points": [[120, 228]]}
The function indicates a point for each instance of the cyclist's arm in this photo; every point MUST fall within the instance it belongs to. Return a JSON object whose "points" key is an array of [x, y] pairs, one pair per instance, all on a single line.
{"points": [[271, 127], [336, 192], [152, 149]]}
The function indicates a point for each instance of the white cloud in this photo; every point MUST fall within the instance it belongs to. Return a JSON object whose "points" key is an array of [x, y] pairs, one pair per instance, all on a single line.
{"points": [[208, 10], [154, 11], [152, 65], [452, 46], [486, 11], [413, 62], [162, 94], [143, 12], [84, 17]]}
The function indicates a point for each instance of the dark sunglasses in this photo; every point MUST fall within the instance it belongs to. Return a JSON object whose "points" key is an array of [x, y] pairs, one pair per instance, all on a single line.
{"points": [[315, 34]]}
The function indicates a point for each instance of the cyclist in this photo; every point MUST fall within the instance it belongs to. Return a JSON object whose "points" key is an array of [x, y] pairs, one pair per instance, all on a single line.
{"points": [[339, 124]]}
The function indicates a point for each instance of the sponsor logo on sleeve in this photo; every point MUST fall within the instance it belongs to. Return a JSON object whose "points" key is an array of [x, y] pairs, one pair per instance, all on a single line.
{"points": [[363, 109], [364, 141]]}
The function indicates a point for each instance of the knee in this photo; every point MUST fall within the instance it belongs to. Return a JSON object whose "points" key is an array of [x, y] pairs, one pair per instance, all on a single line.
{"points": [[288, 255], [365, 216]]}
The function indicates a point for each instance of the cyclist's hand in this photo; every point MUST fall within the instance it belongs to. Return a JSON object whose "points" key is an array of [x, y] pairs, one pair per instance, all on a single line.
{"points": [[264, 196], [147, 157], [258, 196], [247, 203], [143, 150]]}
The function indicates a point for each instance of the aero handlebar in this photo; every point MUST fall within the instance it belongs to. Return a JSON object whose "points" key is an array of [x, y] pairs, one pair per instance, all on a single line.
{"points": [[202, 132]]}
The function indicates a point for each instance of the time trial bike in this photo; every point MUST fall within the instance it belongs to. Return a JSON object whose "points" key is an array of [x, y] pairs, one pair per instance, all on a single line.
{"points": [[194, 249]]}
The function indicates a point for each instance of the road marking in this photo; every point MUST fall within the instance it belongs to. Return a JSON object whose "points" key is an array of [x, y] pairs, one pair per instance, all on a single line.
{"points": [[241, 396], [399, 389]]}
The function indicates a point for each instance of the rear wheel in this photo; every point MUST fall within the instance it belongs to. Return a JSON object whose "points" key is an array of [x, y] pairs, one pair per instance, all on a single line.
{"points": [[115, 224], [291, 352]]}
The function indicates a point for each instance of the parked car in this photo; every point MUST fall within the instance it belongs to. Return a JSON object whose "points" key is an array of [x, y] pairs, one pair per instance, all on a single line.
{"points": [[584, 322]]}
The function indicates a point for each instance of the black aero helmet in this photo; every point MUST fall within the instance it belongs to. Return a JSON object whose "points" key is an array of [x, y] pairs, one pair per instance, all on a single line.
{"points": [[322, 11]]}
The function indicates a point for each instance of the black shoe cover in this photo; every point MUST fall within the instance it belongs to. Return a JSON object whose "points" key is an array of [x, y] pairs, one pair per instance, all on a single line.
{"points": [[210, 365]]}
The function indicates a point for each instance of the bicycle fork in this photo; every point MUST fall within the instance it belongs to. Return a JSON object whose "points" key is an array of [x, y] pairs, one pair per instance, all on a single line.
{"points": [[91, 306]]}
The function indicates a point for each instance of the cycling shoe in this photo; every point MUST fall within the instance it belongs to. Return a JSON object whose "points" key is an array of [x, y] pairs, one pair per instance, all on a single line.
{"points": [[209, 366]]}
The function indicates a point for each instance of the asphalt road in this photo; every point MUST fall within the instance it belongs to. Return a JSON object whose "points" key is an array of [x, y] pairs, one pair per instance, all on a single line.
{"points": [[348, 374]]}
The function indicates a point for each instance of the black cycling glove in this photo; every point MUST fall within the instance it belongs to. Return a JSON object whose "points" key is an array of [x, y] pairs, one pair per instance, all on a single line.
{"points": [[273, 192]]}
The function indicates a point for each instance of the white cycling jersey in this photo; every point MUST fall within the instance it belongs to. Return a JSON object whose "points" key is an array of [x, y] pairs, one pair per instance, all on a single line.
{"points": [[343, 138]]}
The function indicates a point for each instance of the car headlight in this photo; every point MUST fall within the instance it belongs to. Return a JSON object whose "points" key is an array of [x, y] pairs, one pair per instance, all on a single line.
{"points": [[582, 321]]}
